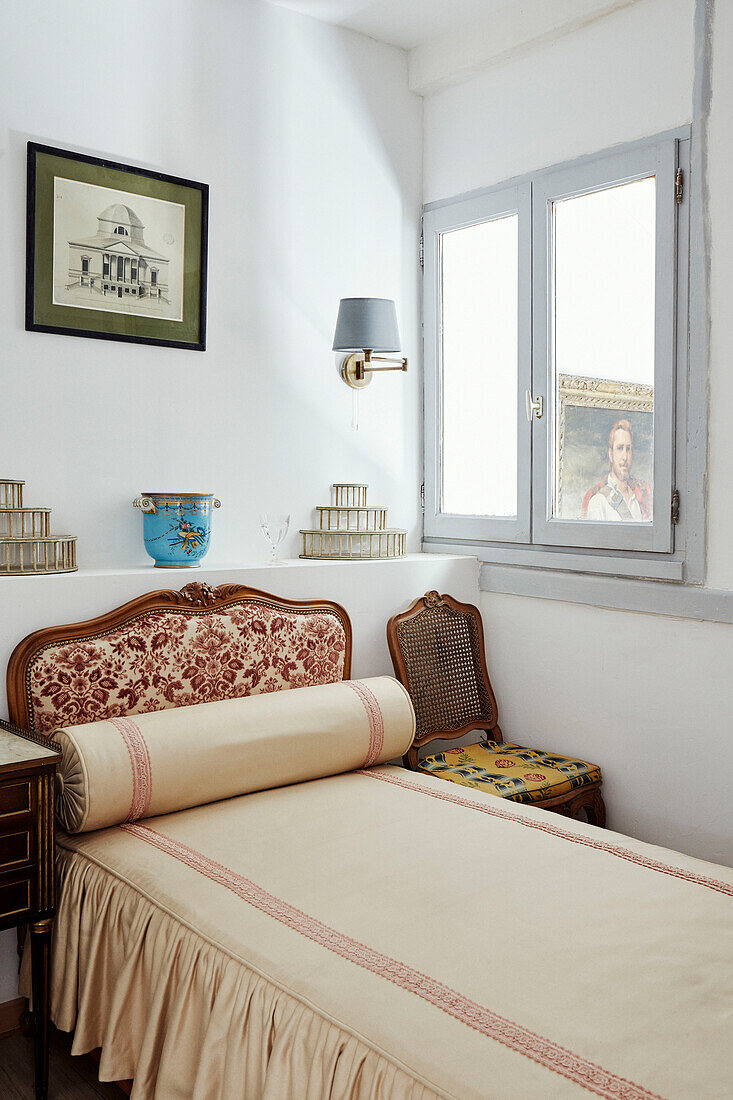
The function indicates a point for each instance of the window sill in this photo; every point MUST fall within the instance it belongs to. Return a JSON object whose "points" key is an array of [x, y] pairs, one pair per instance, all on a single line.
{"points": [[618, 593], [608, 563], [679, 601]]}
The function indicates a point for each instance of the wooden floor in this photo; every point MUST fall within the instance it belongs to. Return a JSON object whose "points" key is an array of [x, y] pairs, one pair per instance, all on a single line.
{"points": [[70, 1078]]}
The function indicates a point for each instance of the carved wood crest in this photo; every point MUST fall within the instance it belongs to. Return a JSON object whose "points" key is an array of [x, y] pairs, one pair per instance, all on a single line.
{"points": [[202, 594]]}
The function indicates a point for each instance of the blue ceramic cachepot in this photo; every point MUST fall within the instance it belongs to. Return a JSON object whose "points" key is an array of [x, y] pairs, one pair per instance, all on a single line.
{"points": [[176, 527]]}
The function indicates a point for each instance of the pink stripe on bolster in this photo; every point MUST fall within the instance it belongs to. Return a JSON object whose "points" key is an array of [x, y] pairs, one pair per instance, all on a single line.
{"points": [[554, 830], [142, 776], [587, 1074], [376, 722]]}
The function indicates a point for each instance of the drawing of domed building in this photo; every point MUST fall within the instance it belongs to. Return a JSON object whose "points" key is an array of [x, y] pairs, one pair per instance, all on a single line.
{"points": [[117, 262]]}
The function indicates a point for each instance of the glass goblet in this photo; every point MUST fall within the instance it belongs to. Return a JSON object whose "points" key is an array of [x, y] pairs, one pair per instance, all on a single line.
{"points": [[274, 526]]}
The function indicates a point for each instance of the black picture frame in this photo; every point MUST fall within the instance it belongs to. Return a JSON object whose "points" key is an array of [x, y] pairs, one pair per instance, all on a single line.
{"points": [[50, 306]]}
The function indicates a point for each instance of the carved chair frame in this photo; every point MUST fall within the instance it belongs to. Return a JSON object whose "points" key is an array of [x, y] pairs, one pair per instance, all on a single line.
{"points": [[588, 798]]}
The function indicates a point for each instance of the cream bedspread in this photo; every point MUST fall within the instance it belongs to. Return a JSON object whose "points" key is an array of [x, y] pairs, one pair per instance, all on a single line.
{"points": [[383, 935]]}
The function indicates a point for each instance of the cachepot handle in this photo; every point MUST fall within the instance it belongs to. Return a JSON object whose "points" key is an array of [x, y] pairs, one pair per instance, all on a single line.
{"points": [[216, 502], [145, 504]]}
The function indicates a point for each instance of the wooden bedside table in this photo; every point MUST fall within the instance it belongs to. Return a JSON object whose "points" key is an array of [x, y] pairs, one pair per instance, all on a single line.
{"points": [[27, 774]]}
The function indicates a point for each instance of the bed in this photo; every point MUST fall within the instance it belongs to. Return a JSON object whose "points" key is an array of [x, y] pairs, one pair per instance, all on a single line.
{"points": [[374, 933]]}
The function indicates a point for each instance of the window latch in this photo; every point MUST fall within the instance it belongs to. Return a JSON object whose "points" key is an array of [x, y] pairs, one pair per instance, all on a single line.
{"points": [[535, 405]]}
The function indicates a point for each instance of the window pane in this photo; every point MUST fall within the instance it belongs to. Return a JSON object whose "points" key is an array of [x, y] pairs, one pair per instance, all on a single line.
{"points": [[479, 376], [603, 348]]}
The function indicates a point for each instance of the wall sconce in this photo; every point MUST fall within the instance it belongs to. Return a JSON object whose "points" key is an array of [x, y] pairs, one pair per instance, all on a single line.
{"points": [[366, 326]]}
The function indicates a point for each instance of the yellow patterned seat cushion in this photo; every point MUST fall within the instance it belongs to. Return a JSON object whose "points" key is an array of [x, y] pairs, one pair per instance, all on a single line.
{"points": [[511, 771]]}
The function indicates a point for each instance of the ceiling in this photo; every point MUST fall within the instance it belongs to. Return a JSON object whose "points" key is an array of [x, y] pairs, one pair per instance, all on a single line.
{"points": [[405, 23]]}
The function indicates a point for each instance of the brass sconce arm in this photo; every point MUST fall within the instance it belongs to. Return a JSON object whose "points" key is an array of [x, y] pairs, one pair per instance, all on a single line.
{"points": [[363, 368], [357, 367]]}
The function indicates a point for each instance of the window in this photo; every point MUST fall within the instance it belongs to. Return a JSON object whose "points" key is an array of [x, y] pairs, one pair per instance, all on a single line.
{"points": [[121, 231], [615, 314], [554, 316], [479, 309]]}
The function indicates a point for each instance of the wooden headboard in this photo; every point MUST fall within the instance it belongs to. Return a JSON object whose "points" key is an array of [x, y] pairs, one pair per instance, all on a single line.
{"points": [[174, 649]]}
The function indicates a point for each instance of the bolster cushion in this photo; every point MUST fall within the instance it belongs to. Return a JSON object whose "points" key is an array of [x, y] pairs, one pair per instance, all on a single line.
{"points": [[123, 769]]}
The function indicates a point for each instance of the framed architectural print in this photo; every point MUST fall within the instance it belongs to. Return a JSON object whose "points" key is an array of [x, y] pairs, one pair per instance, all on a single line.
{"points": [[115, 252]]}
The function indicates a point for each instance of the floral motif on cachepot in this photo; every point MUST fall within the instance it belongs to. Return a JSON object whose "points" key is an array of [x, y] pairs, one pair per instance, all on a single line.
{"points": [[176, 527]]}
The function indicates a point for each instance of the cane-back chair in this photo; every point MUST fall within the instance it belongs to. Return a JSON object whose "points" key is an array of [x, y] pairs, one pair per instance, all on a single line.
{"points": [[437, 649]]}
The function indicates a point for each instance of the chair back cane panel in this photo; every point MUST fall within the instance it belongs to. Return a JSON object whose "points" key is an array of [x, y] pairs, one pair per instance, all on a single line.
{"points": [[443, 667]]}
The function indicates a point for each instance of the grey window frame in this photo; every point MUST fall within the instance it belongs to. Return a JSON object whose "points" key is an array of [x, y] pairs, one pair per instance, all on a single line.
{"points": [[681, 556], [497, 203], [659, 160]]}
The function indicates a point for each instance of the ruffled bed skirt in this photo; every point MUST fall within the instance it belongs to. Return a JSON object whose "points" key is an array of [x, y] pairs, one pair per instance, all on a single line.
{"points": [[185, 1018]]}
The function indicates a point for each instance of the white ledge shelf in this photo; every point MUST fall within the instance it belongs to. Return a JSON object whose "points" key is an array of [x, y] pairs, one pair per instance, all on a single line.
{"points": [[218, 573]]}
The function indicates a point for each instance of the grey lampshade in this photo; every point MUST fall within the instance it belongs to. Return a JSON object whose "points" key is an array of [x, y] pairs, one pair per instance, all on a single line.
{"points": [[367, 323]]}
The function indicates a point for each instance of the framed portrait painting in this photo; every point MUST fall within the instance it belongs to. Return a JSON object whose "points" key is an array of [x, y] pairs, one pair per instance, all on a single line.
{"points": [[597, 417], [115, 252]]}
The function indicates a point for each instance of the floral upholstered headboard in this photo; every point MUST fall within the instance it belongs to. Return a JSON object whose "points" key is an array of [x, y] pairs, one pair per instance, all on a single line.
{"points": [[173, 649]]}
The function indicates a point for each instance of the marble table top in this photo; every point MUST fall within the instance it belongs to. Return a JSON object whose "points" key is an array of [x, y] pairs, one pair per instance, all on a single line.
{"points": [[16, 750]]}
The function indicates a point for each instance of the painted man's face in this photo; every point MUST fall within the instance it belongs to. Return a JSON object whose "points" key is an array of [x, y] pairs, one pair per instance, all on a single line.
{"points": [[619, 455]]}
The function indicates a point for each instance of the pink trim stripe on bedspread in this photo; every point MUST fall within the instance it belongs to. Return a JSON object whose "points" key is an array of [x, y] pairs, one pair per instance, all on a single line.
{"points": [[552, 1056], [555, 830]]}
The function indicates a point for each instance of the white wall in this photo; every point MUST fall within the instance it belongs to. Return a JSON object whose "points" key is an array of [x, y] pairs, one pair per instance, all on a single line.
{"points": [[311, 144], [645, 696], [624, 77], [650, 698]]}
